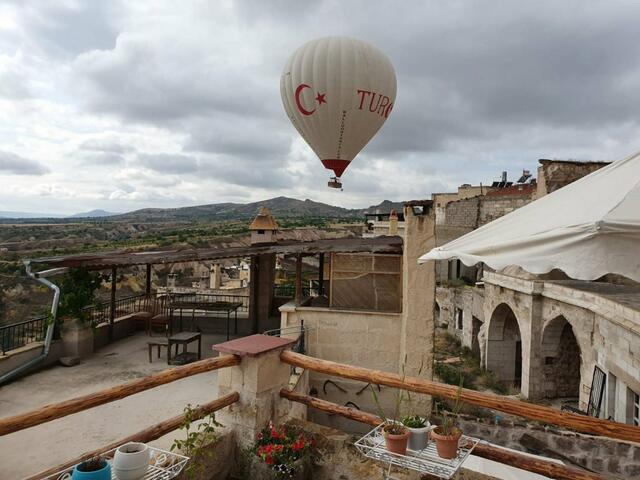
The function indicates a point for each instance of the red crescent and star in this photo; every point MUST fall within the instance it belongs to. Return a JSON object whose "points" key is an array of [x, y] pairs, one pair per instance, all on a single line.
{"points": [[320, 98]]}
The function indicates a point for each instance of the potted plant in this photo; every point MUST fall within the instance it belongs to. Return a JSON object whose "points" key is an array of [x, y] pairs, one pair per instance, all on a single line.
{"points": [[96, 468], [419, 428], [396, 435], [77, 291], [286, 452], [448, 435], [131, 461]]}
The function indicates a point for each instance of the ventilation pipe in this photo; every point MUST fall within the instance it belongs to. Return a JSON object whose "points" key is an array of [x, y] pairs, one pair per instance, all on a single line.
{"points": [[40, 277]]}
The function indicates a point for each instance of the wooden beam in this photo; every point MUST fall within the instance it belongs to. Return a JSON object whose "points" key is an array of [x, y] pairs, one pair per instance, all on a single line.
{"points": [[332, 408], [148, 285], [490, 452], [112, 314], [580, 423], [299, 279], [84, 402], [148, 434]]}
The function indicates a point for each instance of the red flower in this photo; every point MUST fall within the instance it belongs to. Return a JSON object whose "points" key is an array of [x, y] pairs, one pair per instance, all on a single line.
{"points": [[269, 460]]}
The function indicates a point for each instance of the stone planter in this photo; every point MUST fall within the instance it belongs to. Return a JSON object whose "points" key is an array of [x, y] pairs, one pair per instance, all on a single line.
{"points": [[77, 338], [262, 471]]}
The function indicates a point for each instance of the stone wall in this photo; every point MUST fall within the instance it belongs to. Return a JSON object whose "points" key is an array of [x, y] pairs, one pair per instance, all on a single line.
{"points": [[493, 207], [555, 174], [602, 455]]}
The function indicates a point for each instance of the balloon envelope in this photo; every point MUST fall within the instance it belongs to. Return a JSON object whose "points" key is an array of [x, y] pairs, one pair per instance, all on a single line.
{"points": [[338, 92]]}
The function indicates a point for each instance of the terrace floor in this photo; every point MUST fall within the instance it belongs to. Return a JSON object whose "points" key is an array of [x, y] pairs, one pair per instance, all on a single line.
{"points": [[35, 449]]}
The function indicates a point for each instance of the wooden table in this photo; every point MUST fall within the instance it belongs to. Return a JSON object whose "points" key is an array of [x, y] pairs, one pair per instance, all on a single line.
{"points": [[184, 339], [219, 306]]}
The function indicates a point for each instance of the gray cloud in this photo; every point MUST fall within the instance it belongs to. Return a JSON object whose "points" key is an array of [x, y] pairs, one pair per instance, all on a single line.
{"points": [[169, 163], [482, 87], [17, 165]]}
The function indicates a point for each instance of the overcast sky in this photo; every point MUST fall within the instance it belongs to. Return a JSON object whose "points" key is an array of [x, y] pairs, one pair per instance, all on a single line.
{"points": [[125, 105]]}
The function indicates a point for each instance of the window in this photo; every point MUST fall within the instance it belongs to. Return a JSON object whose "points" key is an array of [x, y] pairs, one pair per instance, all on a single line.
{"points": [[633, 407], [459, 315], [260, 232]]}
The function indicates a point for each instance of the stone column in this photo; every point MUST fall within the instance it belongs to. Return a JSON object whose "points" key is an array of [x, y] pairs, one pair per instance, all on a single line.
{"points": [[258, 379], [418, 297]]}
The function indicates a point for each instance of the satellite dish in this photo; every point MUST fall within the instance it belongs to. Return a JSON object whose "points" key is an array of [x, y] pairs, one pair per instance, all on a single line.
{"points": [[338, 92]]}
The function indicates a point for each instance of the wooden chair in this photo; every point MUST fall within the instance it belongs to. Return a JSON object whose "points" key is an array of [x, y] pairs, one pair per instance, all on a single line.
{"points": [[158, 317]]}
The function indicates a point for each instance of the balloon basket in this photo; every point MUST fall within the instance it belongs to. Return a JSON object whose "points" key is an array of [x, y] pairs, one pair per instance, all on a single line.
{"points": [[334, 182]]}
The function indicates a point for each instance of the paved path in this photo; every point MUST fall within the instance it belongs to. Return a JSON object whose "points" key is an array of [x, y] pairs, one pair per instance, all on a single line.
{"points": [[35, 449]]}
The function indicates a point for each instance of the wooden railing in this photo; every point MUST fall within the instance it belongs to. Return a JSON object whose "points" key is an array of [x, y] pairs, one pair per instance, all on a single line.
{"points": [[84, 402], [148, 434], [490, 452], [573, 421]]}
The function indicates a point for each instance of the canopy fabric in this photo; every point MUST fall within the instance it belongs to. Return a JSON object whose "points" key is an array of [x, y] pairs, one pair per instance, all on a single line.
{"points": [[587, 229]]}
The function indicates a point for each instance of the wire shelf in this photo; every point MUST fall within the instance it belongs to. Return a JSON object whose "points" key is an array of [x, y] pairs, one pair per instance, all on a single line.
{"points": [[424, 461], [163, 465]]}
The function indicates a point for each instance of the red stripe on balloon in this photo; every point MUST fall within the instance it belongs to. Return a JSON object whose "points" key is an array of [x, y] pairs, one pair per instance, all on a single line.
{"points": [[337, 165]]}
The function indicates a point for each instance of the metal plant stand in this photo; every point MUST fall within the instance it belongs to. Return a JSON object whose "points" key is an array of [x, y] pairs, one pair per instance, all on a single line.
{"points": [[163, 465], [424, 461]]}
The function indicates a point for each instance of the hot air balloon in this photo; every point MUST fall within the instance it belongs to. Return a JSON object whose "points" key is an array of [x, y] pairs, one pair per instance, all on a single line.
{"points": [[338, 92]]}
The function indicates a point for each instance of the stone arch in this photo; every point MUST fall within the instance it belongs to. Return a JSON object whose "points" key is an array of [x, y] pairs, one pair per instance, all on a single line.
{"points": [[504, 346], [561, 359]]}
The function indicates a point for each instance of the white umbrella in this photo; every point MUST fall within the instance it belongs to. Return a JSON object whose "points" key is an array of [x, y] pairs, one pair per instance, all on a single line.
{"points": [[587, 229]]}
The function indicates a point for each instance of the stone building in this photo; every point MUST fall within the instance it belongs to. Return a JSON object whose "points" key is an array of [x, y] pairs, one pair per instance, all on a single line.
{"points": [[548, 335]]}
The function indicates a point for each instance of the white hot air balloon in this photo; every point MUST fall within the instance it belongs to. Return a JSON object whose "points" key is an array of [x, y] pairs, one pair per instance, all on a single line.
{"points": [[338, 92]]}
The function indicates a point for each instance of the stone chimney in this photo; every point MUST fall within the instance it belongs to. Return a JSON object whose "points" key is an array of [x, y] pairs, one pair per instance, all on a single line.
{"points": [[393, 222], [263, 228], [215, 276]]}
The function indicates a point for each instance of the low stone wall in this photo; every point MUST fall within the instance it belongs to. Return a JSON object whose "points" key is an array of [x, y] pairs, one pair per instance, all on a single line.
{"points": [[122, 328], [605, 456], [20, 356]]}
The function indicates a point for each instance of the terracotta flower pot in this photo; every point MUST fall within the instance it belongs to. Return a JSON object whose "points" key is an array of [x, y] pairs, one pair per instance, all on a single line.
{"points": [[397, 443], [446, 445]]}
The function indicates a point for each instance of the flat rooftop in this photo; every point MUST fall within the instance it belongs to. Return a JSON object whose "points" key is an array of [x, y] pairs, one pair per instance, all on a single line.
{"points": [[626, 295], [44, 446]]}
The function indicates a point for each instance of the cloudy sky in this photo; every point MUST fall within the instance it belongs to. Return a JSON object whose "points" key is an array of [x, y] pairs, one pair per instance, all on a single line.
{"points": [[125, 105]]}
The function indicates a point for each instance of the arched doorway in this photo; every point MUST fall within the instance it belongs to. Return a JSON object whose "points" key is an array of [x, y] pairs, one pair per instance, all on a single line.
{"points": [[504, 346], [561, 360]]}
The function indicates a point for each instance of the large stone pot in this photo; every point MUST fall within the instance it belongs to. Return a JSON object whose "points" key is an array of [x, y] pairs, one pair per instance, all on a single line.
{"points": [[77, 338]]}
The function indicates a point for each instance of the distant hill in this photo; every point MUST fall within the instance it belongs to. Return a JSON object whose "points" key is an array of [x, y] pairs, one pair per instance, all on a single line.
{"points": [[281, 207], [93, 214], [5, 214]]}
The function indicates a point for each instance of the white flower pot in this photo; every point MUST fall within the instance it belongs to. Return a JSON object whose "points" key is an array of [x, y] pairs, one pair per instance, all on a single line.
{"points": [[131, 461], [419, 438]]}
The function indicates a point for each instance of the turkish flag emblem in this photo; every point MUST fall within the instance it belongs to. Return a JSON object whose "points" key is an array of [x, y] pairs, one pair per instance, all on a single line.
{"points": [[320, 98]]}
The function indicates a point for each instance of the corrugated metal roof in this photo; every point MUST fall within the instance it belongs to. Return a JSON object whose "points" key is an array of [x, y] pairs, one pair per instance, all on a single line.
{"points": [[103, 260]]}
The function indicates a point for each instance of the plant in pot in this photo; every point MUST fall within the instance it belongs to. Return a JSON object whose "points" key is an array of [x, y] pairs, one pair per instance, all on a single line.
{"points": [[131, 461], [198, 442], [419, 428], [396, 435], [96, 468], [447, 435], [286, 450]]}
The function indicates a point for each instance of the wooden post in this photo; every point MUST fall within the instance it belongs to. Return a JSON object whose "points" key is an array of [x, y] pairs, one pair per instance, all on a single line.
{"points": [[574, 421], [78, 404], [321, 274], [254, 289], [490, 452], [148, 289], [299, 279], [112, 314], [148, 434]]}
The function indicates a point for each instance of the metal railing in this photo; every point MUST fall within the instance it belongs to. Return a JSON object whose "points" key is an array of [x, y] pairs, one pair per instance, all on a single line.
{"points": [[20, 334], [211, 298], [101, 312], [289, 291]]}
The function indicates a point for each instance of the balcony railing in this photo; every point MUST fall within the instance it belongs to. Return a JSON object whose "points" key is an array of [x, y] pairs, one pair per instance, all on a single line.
{"points": [[19, 334], [101, 312]]}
